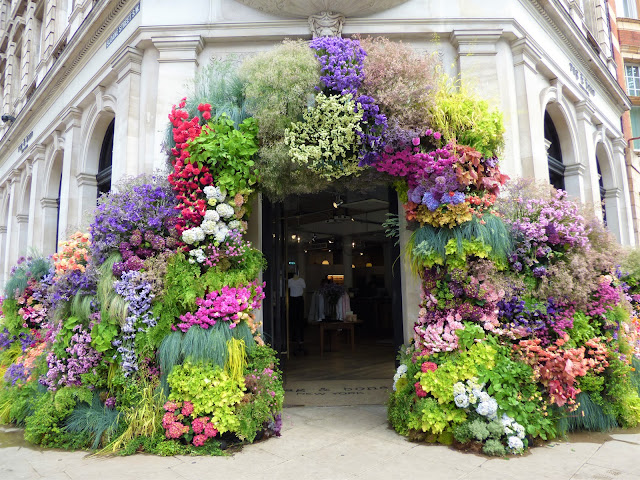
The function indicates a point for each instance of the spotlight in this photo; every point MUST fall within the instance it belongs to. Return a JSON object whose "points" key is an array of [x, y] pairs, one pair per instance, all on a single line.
{"points": [[338, 202], [293, 237], [8, 118]]}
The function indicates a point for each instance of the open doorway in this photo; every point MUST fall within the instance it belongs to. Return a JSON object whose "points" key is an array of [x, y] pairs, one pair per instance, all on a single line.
{"points": [[333, 307]]}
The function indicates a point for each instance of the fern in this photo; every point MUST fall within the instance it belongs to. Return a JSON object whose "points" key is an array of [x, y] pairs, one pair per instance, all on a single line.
{"points": [[93, 420]]}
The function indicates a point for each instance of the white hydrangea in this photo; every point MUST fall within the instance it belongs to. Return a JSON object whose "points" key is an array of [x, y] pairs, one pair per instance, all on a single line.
{"points": [[235, 225], [214, 193], [519, 430], [492, 406], [225, 210], [458, 389], [192, 235], [482, 396], [515, 444], [400, 373], [221, 235], [483, 408], [209, 227], [198, 255], [506, 420], [462, 401], [211, 215]]}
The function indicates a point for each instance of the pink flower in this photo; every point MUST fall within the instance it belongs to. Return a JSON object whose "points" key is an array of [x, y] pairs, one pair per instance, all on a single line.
{"points": [[171, 406], [168, 419], [209, 430], [419, 390], [187, 409], [415, 141], [429, 367], [199, 440], [206, 115]]}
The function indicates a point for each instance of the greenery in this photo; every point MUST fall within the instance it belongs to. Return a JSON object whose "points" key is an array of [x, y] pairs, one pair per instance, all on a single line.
{"points": [[459, 115], [212, 391], [93, 420]]}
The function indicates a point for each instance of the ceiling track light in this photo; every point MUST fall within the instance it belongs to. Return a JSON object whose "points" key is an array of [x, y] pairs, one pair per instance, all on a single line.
{"points": [[338, 201]]}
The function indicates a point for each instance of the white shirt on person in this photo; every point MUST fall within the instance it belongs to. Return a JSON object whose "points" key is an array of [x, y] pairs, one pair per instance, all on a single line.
{"points": [[296, 286]]}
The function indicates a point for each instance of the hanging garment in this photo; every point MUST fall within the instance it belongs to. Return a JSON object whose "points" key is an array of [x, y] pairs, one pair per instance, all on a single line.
{"points": [[343, 306], [316, 310]]}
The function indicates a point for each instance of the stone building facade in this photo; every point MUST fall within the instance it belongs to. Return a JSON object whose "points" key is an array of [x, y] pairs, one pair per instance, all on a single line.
{"points": [[86, 87]]}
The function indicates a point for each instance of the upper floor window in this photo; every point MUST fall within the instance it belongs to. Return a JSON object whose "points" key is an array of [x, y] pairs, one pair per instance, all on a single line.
{"points": [[632, 73], [626, 8]]}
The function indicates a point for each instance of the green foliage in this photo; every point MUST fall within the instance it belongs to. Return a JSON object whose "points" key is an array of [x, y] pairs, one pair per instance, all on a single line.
{"points": [[460, 116], [18, 403], [467, 337], [619, 397], [326, 140], [159, 445], [201, 345], [34, 267], [513, 386], [434, 417], [278, 84], [228, 152], [142, 417], [588, 416], [463, 366], [478, 430], [430, 245], [211, 390], [12, 320], [581, 331], [184, 284], [46, 426], [94, 421], [494, 448]]}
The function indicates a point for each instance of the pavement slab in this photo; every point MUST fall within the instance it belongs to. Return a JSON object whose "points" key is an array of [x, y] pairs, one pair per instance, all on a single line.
{"points": [[342, 443]]}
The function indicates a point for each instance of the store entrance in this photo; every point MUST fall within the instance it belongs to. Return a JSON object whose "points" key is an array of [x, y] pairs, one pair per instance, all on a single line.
{"points": [[333, 305]]}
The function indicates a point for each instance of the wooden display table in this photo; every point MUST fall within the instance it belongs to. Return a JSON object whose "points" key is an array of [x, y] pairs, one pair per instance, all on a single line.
{"points": [[337, 326]]}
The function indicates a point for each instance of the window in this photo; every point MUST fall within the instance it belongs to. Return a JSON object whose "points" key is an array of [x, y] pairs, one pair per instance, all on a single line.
{"points": [[603, 192], [554, 154], [103, 177], [626, 8], [632, 73]]}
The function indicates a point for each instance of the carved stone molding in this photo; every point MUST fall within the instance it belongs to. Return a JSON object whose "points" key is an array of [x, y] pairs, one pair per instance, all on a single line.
{"points": [[326, 24], [86, 179], [49, 202], [22, 218]]}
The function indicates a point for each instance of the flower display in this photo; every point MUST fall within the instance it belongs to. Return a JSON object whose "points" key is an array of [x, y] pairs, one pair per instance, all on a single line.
{"points": [[74, 254]]}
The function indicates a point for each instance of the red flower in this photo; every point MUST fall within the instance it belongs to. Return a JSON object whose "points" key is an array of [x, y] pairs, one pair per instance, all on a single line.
{"points": [[429, 367]]}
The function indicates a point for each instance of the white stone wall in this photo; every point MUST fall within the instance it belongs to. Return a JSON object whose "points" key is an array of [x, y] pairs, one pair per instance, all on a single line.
{"points": [[517, 54]]}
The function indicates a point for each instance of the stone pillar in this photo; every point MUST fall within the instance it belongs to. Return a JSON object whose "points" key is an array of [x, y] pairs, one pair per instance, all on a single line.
{"points": [[49, 28], [582, 183], [126, 159], [411, 286], [10, 244], [178, 62], [22, 221], [28, 47], [69, 201], [87, 197], [48, 239], [625, 206], [34, 235], [530, 127]]}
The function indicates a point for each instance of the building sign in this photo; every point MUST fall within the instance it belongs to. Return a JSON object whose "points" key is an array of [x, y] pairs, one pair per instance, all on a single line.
{"points": [[25, 143], [582, 81], [127, 20]]}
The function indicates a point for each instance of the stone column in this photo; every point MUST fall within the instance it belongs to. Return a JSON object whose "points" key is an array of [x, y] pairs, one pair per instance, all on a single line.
{"points": [[37, 172], [582, 182], [625, 206], [10, 244], [178, 62], [49, 28], [47, 239], [411, 286], [87, 197], [126, 159], [530, 127], [70, 207], [22, 221]]}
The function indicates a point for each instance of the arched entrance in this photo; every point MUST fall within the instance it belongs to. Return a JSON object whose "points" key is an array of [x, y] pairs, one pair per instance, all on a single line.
{"points": [[333, 240], [554, 153], [103, 177]]}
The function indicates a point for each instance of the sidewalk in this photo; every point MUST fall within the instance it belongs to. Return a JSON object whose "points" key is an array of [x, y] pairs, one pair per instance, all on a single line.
{"points": [[336, 443]]}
